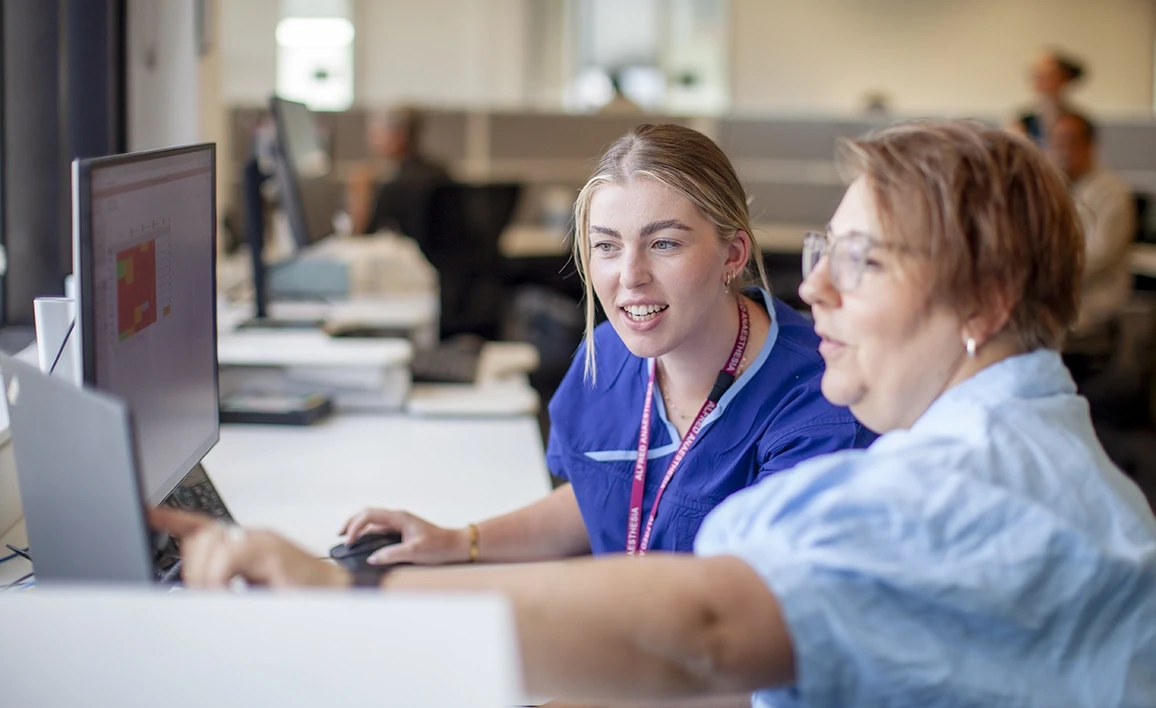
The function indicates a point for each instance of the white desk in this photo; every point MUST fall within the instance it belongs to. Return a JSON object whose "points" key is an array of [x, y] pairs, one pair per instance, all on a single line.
{"points": [[132, 648], [304, 482], [415, 312]]}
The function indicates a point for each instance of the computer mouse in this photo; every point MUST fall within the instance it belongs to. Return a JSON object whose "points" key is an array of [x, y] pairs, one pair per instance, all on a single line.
{"points": [[355, 556]]}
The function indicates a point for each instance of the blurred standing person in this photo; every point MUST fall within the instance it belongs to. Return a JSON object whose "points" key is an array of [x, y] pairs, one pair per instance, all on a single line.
{"points": [[1108, 213], [1052, 75]]}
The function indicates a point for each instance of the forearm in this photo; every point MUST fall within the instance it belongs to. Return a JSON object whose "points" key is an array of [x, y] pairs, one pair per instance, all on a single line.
{"points": [[622, 628], [549, 529]]}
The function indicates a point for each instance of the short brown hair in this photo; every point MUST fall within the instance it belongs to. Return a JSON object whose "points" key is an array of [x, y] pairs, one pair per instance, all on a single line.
{"points": [[692, 165], [407, 120], [993, 214]]}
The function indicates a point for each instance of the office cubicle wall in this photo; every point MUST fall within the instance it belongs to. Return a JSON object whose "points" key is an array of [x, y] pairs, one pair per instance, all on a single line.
{"points": [[786, 163], [786, 166]]}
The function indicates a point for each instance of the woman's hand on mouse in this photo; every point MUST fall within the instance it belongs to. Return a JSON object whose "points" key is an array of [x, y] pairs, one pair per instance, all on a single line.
{"points": [[214, 553], [422, 543]]}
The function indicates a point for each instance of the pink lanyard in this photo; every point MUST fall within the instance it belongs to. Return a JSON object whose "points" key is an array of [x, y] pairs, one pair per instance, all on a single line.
{"points": [[725, 378]]}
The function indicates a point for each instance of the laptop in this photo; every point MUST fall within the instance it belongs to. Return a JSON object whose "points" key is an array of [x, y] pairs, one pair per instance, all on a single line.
{"points": [[77, 468]]}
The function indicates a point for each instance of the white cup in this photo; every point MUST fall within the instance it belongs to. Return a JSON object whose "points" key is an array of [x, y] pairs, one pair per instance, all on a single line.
{"points": [[57, 335]]}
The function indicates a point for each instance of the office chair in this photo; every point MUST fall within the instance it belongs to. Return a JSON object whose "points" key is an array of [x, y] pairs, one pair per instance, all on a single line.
{"points": [[1122, 395], [464, 224], [1142, 202]]}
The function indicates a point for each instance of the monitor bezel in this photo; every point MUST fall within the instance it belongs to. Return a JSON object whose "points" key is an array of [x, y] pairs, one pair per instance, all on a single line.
{"points": [[83, 259]]}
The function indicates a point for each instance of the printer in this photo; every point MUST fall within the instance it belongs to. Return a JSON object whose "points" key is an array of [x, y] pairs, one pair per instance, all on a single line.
{"points": [[356, 374], [344, 267]]}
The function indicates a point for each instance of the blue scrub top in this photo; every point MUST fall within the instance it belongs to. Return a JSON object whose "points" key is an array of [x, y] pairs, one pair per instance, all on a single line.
{"points": [[773, 417]]}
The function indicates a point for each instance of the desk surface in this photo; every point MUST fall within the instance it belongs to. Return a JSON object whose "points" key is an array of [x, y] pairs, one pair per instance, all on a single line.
{"points": [[305, 482], [133, 648]]}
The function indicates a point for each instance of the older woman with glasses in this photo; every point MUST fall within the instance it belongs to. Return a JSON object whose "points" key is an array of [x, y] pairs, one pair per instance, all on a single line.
{"points": [[982, 552]]}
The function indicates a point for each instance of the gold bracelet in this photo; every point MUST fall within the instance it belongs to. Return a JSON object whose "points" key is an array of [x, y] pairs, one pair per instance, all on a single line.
{"points": [[474, 553]]}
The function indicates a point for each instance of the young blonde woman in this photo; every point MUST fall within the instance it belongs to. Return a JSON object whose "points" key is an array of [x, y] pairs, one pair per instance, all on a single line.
{"points": [[698, 385]]}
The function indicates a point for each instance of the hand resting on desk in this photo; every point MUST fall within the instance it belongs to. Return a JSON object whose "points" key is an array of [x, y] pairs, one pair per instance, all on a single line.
{"points": [[422, 543]]}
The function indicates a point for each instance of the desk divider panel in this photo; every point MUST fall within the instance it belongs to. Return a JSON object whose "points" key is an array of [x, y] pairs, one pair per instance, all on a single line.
{"points": [[786, 163]]}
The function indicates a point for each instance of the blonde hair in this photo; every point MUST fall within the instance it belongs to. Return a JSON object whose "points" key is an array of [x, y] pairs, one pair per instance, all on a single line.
{"points": [[691, 164], [993, 214]]}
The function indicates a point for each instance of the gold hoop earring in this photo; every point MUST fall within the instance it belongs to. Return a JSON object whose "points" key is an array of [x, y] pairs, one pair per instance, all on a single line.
{"points": [[727, 280]]}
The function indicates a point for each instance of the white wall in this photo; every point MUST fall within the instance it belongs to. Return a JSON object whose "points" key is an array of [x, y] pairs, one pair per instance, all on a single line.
{"points": [[793, 56], [952, 56], [163, 79], [441, 52], [436, 52], [248, 50]]}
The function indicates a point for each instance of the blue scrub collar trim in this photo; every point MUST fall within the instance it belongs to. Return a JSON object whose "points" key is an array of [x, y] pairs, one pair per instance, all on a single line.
{"points": [[749, 373]]}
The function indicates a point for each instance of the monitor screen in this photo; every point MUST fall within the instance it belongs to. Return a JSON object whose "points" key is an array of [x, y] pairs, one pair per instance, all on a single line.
{"points": [[144, 234], [308, 196]]}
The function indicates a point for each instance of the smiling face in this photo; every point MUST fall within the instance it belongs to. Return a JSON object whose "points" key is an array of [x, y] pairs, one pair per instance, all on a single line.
{"points": [[889, 346], [657, 266]]}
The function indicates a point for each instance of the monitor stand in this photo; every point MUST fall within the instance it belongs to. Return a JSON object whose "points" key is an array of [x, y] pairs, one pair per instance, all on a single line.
{"points": [[252, 179]]}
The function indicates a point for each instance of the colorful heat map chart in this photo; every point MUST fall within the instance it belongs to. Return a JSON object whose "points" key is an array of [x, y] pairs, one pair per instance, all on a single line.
{"points": [[136, 289]]}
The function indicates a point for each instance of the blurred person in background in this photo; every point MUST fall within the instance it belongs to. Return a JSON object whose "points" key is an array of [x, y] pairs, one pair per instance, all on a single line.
{"points": [[1107, 212], [1052, 75], [401, 202]]}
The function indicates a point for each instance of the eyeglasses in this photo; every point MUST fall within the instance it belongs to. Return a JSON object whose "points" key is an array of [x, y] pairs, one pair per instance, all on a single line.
{"points": [[849, 256]]}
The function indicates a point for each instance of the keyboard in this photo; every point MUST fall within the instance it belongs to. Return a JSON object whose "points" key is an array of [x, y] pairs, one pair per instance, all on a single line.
{"points": [[197, 493], [281, 324], [367, 331], [453, 361]]}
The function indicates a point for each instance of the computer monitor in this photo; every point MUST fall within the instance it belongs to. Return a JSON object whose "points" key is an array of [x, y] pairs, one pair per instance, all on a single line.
{"points": [[307, 195], [144, 252], [303, 166]]}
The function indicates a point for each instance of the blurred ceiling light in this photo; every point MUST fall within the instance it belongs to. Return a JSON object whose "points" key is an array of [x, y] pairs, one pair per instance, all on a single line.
{"points": [[315, 32]]}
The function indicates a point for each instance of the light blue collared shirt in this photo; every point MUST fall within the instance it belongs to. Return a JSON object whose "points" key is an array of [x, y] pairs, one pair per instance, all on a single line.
{"points": [[990, 555]]}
